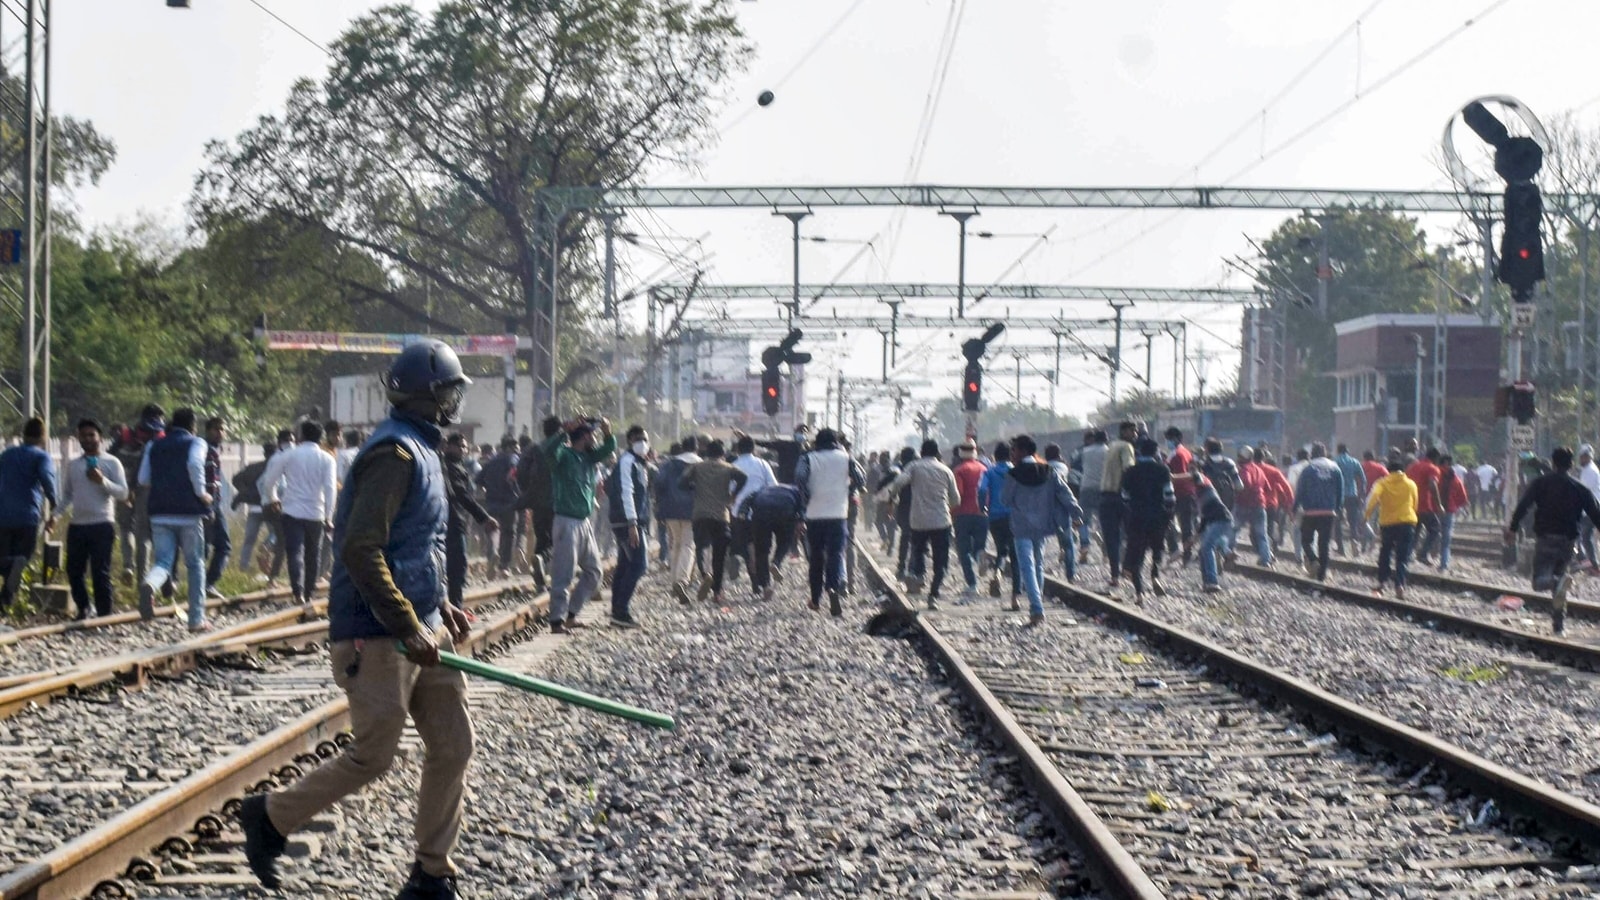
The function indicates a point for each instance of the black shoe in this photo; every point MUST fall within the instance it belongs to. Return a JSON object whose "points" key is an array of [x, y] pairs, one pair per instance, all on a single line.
{"points": [[933, 601], [573, 624], [1559, 623], [623, 622], [558, 627], [262, 842], [833, 604], [422, 886], [147, 602]]}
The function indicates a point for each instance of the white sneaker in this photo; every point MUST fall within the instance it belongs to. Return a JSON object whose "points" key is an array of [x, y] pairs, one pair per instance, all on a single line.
{"points": [[156, 577]]}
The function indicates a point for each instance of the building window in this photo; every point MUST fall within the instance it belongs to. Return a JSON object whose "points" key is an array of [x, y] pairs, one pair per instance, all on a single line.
{"points": [[1355, 391], [724, 401]]}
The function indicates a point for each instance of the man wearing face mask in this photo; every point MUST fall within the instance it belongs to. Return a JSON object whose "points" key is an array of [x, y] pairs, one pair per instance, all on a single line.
{"points": [[789, 451], [628, 498], [388, 586]]}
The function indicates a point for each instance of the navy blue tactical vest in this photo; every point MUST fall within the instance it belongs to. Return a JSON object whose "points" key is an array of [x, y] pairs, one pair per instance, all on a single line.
{"points": [[415, 552], [641, 492], [171, 491]]}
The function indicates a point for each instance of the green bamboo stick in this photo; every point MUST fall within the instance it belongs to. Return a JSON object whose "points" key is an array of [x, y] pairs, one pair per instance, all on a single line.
{"points": [[551, 689]]}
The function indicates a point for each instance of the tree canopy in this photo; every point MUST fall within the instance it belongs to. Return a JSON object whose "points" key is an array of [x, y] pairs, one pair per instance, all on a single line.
{"points": [[424, 145]]}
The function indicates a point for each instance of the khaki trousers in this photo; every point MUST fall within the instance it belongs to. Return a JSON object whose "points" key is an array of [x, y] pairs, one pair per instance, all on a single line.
{"points": [[384, 688], [680, 543]]}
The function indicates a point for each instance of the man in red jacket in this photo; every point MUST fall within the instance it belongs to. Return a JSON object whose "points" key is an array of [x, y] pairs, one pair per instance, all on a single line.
{"points": [[1430, 506], [1181, 462], [1277, 496], [1453, 496], [1251, 502], [971, 522]]}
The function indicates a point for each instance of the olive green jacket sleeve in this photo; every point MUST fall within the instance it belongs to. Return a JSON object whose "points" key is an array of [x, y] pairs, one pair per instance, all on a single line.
{"points": [[378, 487]]}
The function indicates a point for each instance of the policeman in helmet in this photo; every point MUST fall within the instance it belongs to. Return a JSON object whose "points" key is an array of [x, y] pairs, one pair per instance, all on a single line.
{"points": [[388, 585]]}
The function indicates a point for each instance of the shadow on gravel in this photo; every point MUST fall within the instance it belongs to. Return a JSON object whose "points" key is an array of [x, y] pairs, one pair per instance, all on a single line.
{"points": [[892, 622]]}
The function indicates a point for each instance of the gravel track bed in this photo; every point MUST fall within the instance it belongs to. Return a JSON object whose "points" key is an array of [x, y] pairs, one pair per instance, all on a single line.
{"points": [[1527, 715], [1472, 604], [1322, 822], [809, 760], [73, 647], [68, 766]]}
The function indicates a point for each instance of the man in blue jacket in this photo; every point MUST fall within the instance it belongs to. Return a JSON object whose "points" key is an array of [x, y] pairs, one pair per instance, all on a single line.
{"points": [[387, 587], [1319, 495], [27, 481], [990, 497], [1355, 499], [1041, 504]]}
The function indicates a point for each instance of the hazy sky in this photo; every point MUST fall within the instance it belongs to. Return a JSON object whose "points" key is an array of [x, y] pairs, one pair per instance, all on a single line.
{"points": [[1038, 92]]}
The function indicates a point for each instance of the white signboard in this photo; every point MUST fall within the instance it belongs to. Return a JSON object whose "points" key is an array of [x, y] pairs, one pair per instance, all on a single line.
{"points": [[1522, 438], [1522, 315]]}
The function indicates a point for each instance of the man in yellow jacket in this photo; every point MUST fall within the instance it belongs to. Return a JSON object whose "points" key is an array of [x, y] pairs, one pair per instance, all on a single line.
{"points": [[1394, 496]]}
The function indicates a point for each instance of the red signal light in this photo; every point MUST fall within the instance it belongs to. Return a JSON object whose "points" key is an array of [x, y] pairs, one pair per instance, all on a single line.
{"points": [[772, 392], [972, 387], [1523, 253]]}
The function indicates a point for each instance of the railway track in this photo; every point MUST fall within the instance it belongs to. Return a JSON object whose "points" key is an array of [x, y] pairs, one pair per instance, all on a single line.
{"points": [[1153, 756], [189, 816], [1477, 621]]}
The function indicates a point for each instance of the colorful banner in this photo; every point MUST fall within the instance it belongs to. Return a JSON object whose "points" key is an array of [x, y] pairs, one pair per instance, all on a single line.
{"points": [[346, 342]]}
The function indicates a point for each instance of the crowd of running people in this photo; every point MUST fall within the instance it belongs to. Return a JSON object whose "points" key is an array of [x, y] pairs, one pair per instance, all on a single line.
{"points": [[557, 507]]}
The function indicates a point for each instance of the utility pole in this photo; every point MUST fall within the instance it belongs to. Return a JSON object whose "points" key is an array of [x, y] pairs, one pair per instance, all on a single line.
{"points": [[1116, 349], [613, 309], [840, 418], [925, 422], [1324, 266], [795, 217], [894, 332], [1417, 414], [961, 217], [1055, 378]]}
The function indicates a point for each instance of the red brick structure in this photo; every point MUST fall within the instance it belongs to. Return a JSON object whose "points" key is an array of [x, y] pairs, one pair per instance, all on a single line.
{"points": [[1375, 372]]}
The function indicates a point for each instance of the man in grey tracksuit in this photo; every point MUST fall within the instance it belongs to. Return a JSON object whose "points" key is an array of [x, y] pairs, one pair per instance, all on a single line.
{"points": [[934, 498]]}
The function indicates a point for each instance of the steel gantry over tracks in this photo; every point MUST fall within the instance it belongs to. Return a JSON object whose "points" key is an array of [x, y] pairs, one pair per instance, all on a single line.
{"points": [[561, 200], [556, 203], [917, 291]]}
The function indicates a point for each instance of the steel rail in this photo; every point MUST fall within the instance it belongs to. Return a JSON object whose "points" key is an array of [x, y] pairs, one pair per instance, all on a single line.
{"points": [[1570, 823], [83, 864], [298, 627], [8, 638], [1578, 609], [1120, 874], [1551, 649], [133, 668]]}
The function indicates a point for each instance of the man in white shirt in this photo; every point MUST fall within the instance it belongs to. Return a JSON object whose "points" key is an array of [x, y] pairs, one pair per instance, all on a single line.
{"points": [[91, 486], [1588, 474], [758, 475], [1484, 501], [301, 482]]}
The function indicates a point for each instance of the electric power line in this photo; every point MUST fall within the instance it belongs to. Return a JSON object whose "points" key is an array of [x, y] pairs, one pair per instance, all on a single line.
{"points": [[1333, 113]]}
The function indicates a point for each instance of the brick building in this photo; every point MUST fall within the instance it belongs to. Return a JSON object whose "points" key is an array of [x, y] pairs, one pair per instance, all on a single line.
{"points": [[1376, 377]]}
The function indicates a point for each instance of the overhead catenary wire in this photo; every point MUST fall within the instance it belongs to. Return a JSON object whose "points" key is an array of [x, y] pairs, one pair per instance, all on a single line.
{"points": [[805, 57], [930, 112], [1300, 135]]}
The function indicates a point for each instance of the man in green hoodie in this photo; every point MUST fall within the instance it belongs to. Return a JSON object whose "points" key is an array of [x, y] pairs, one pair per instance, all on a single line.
{"points": [[573, 454]]}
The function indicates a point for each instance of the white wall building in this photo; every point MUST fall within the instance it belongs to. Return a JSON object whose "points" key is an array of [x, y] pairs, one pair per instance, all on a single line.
{"points": [[359, 401]]}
